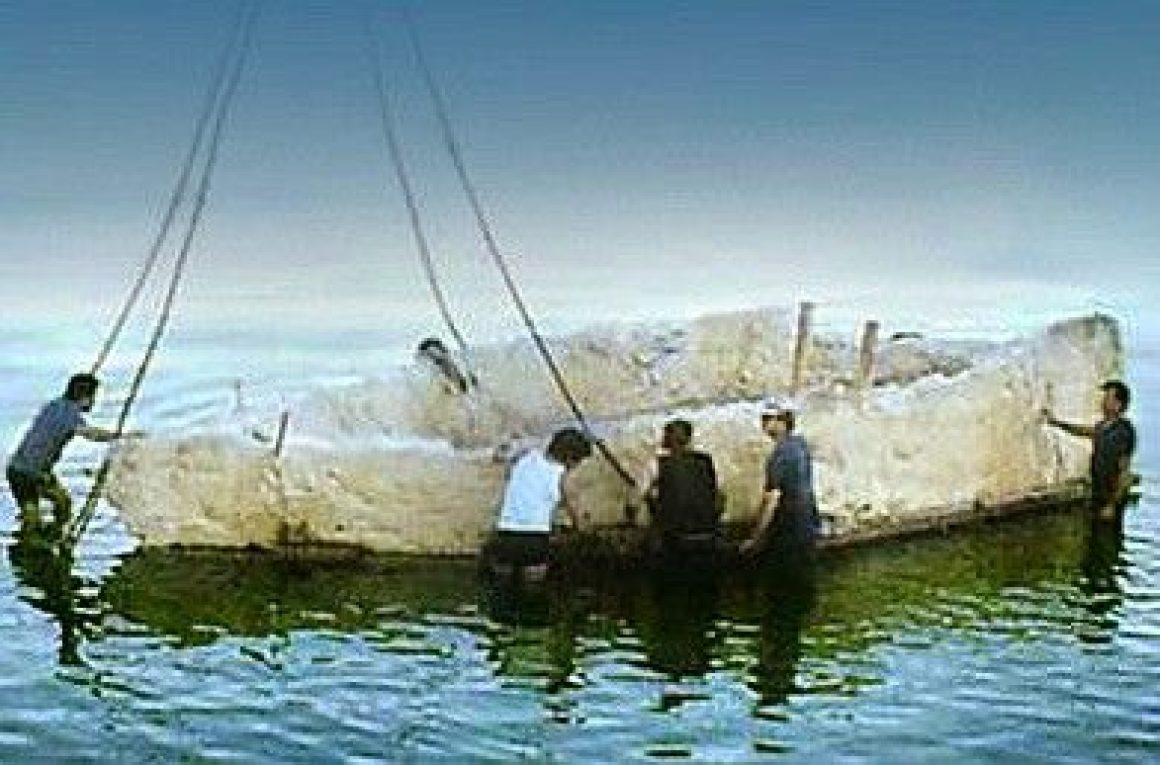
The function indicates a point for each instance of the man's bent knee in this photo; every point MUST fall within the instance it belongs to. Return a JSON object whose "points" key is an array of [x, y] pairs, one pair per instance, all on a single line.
{"points": [[61, 501]]}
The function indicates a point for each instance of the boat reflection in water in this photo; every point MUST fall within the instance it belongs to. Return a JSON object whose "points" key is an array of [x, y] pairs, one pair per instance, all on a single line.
{"points": [[686, 624], [770, 633], [45, 570]]}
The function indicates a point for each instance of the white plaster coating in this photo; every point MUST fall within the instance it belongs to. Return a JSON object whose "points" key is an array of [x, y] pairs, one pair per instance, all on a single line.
{"points": [[399, 464]]}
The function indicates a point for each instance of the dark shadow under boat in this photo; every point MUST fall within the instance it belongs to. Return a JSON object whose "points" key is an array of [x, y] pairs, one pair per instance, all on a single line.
{"points": [[1016, 577]]}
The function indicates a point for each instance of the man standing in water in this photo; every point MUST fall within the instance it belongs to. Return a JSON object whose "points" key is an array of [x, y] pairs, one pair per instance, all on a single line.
{"points": [[535, 488], [30, 469], [787, 518], [681, 493], [1113, 443]]}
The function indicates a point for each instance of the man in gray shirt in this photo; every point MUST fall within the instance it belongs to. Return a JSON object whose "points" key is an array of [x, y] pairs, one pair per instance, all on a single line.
{"points": [[30, 468]]}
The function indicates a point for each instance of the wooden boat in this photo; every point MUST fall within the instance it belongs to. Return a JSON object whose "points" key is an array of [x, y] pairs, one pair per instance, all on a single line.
{"points": [[931, 434]]}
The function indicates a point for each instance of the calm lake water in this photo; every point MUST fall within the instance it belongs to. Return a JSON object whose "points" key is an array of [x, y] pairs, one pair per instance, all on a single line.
{"points": [[1029, 641]]}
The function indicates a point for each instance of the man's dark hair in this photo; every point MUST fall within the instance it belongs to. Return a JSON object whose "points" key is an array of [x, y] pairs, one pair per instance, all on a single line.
{"points": [[786, 417], [569, 446], [1121, 392], [678, 434], [81, 385]]}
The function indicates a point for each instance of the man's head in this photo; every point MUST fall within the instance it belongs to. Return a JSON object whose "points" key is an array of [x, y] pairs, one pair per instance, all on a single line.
{"points": [[82, 388], [777, 417], [1116, 398], [677, 435], [569, 447]]}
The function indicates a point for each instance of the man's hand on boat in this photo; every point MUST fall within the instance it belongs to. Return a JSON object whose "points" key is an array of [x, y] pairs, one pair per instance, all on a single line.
{"points": [[95, 433], [571, 525], [751, 546]]}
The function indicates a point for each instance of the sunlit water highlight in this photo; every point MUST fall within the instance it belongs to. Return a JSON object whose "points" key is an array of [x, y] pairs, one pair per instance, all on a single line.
{"points": [[1030, 641]]}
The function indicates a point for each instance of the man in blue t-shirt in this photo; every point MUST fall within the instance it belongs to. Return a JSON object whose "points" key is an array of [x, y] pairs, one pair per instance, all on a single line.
{"points": [[1113, 443], [787, 518], [30, 473]]}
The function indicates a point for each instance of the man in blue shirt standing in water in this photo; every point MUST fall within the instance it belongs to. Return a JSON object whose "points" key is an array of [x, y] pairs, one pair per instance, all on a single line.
{"points": [[787, 518], [30, 473]]}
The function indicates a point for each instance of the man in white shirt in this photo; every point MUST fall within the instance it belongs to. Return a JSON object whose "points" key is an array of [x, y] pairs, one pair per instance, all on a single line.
{"points": [[535, 488]]}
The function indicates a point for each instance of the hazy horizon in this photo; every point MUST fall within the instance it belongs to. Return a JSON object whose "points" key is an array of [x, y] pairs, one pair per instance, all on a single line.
{"points": [[679, 156]]}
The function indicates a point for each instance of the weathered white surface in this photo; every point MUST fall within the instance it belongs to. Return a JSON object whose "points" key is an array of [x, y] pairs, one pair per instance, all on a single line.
{"points": [[402, 465]]}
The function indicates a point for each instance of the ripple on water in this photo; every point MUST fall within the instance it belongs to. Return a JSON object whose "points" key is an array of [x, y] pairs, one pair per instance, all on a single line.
{"points": [[993, 666], [668, 751]]}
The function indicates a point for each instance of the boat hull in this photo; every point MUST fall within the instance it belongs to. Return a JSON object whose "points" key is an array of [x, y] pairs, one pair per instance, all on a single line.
{"points": [[889, 459]]}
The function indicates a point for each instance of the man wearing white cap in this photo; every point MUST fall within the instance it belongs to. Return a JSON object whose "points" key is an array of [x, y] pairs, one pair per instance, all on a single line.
{"points": [[787, 517]]}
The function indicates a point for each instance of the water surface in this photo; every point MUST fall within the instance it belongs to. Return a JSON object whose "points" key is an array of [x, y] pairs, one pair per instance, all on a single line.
{"points": [[1031, 641]]}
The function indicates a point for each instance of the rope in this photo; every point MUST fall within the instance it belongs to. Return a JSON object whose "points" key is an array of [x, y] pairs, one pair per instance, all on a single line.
{"points": [[80, 523], [485, 230], [176, 198], [403, 177]]}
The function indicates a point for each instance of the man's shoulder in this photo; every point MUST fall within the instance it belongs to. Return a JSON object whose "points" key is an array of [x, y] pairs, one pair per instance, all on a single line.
{"points": [[1122, 425], [1117, 434], [1129, 431], [59, 410], [51, 406], [688, 454], [794, 442], [526, 456]]}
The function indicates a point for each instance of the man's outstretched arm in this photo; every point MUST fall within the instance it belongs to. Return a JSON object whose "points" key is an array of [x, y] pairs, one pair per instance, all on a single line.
{"points": [[1072, 428]]}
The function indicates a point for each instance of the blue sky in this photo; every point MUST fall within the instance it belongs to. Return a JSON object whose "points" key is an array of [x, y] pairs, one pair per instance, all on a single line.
{"points": [[688, 153]]}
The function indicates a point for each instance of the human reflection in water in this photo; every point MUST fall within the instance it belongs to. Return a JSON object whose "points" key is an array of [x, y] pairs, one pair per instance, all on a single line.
{"points": [[537, 639], [787, 592], [1100, 569], [45, 568], [675, 614]]}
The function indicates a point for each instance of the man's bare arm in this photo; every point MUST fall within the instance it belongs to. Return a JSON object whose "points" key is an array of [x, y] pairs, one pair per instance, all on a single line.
{"points": [[569, 502], [95, 433], [765, 511], [1123, 480], [1072, 428]]}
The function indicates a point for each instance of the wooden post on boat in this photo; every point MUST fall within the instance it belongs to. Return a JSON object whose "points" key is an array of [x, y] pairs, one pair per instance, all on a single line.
{"points": [[1057, 450], [280, 439], [285, 531], [866, 354], [802, 344]]}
